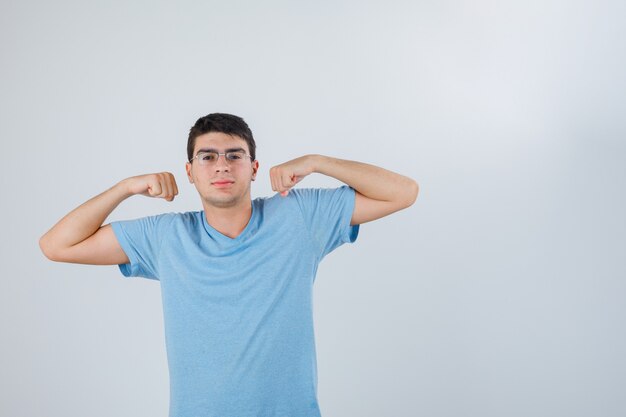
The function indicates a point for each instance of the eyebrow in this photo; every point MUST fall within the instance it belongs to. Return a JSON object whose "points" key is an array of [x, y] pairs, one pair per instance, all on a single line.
{"points": [[215, 150]]}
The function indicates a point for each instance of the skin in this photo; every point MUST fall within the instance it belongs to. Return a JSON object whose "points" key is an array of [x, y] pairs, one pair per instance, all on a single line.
{"points": [[81, 237], [227, 208]]}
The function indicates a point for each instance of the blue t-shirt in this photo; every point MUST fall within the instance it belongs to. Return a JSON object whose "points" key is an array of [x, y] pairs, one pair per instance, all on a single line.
{"points": [[238, 312]]}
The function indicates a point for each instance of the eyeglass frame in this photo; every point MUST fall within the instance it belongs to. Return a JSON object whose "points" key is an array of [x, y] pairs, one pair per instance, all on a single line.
{"points": [[202, 151]]}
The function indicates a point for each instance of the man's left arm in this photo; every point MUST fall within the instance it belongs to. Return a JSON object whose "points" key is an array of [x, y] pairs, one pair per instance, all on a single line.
{"points": [[379, 192]]}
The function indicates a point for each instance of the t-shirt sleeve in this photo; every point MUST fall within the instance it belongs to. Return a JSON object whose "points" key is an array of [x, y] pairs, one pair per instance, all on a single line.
{"points": [[327, 213], [141, 241]]}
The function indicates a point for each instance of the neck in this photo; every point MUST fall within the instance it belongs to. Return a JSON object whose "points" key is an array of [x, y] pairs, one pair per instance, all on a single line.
{"points": [[229, 221]]}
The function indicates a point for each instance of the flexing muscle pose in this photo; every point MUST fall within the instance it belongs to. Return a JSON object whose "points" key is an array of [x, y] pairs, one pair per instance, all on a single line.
{"points": [[236, 277]]}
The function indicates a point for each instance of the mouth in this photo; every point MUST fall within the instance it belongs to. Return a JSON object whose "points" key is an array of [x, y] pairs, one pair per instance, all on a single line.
{"points": [[222, 183]]}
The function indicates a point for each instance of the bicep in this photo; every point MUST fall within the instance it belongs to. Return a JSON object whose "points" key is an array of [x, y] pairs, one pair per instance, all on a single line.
{"points": [[101, 248], [367, 209]]}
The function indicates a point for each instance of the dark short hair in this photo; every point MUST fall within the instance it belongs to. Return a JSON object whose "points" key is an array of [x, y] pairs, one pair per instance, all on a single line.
{"points": [[224, 123]]}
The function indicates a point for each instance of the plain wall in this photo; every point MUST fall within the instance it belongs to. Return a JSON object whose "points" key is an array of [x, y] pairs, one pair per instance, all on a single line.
{"points": [[499, 293]]}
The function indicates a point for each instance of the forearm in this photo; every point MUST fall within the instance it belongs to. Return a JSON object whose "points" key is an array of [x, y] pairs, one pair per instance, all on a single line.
{"points": [[371, 181], [85, 220]]}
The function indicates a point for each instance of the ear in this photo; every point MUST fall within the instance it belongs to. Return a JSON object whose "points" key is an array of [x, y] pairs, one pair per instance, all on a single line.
{"points": [[188, 169], [255, 169]]}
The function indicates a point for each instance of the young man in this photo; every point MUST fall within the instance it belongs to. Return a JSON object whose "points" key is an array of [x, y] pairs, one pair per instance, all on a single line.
{"points": [[237, 277]]}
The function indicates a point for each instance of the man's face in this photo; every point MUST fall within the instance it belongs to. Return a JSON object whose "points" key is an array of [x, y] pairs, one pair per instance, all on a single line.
{"points": [[222, 183]]}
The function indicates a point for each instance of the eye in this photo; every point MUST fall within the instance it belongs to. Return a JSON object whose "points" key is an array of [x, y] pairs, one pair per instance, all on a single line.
{"points": [[234, 156], [207, 156]]}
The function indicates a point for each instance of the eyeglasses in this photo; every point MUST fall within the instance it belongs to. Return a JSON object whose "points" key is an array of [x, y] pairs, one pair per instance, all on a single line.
{"points": [[211, 157]]}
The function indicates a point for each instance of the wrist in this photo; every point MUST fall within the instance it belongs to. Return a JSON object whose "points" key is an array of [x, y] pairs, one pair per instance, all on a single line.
{"points": [[123, 188]]}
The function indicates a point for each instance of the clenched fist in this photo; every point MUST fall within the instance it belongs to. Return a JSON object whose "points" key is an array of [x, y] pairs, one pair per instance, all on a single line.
{"points": [[159, 185], [288, 174]]}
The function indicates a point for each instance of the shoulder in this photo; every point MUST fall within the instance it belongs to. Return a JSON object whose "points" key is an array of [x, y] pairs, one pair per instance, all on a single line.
{"points": [[182, 219], [166, 220], [307, 199], [322, 195], [308, 195], [179, 224]]}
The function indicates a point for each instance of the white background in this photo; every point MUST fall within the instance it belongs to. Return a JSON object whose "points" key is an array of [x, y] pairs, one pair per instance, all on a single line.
{"points": [[499, 293]]}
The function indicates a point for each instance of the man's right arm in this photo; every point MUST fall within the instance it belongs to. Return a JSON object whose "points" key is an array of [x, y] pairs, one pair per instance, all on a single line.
{"points": [[80, 237]]}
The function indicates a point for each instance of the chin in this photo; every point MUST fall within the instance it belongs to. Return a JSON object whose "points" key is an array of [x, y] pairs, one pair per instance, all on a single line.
{"points": [[224, 202]]}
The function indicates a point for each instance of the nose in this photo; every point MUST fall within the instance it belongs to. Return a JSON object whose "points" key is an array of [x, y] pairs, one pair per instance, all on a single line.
{"points": [[221, 165]]}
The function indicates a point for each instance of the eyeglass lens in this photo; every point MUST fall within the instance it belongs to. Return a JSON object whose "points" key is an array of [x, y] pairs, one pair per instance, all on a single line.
{"points": [[206, 158]]}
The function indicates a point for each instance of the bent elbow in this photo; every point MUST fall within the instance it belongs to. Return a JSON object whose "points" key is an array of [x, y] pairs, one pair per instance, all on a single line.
{"points": [[412, 192], [47, 249]]}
